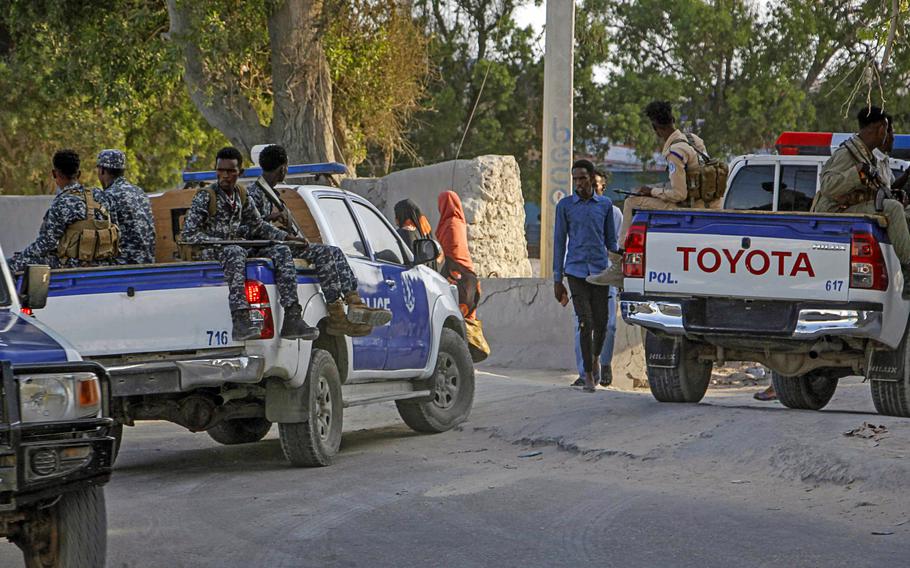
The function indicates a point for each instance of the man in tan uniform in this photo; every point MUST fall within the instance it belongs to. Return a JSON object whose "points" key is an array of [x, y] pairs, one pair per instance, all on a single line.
{"points": [[850, 182], [681, 151]]}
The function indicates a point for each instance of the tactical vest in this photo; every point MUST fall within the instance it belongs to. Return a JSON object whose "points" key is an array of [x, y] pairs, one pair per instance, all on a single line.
{"points": [[872, 183], [708, 180], [213, 203], [90, 240], [189, 252]]}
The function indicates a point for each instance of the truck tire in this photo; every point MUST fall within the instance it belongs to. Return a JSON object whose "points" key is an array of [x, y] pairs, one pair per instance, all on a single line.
{"points": [[687, 382], [239, 431], [315, 443], [811, 391], [73, 532], [892, 398], [452, 386]]}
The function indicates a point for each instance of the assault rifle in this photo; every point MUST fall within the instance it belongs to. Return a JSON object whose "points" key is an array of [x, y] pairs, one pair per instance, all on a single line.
{"points": [[279, 204], [259, 243]]}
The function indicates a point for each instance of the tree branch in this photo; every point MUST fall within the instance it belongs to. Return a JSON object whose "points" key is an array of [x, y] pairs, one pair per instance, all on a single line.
{"points": [[895, 10], [222, 104]]}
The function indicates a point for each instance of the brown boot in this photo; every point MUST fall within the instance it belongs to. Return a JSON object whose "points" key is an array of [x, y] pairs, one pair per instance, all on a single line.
{"points": [[359, 312], [339, 325]]}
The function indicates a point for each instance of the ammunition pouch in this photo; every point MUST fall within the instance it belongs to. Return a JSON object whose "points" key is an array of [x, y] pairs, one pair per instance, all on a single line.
{"points": [[855, 197], [90, 240], [706, 181]]}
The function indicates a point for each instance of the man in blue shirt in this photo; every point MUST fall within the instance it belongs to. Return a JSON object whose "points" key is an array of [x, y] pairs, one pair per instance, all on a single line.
{"points": [[606, 354], [583, 234]]}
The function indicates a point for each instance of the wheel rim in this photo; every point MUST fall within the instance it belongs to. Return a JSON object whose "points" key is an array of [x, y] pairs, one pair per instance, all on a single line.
{"points": [[446, 391], [323, 409]]}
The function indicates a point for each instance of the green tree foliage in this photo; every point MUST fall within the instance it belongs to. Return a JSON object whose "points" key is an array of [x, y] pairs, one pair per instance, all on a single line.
{"points": [[740, 73], [471, 40], [74, 75], [92, 75]]}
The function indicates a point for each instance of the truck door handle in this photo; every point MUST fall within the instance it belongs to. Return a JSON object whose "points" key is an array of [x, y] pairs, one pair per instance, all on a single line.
{"points": [[390, 284]]}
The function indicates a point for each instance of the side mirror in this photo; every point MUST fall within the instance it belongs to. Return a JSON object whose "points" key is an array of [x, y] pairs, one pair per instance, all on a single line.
{"points": [[425, 250], [35, 284]]}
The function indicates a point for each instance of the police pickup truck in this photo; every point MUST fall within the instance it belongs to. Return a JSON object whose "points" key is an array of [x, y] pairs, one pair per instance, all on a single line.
{"points": [[163, 332], [813, 296], [55, 447]]}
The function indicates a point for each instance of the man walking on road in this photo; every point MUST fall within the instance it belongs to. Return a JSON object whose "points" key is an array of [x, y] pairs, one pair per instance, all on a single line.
{"points": [[583, 234], [606, 354]]}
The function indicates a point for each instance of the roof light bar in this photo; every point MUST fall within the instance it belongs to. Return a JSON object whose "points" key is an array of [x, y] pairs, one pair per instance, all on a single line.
{"points": [[901, 149], [254, 172], [804, 143], [825, 143]]}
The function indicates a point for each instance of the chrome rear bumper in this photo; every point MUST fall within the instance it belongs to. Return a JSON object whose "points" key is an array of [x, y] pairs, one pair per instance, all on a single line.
{"points": [[183, 376], [811, 323]]}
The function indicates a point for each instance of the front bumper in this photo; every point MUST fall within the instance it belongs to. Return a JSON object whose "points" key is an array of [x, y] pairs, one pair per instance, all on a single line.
{"points": [[793, 320], [158, 377], [43, 460]]}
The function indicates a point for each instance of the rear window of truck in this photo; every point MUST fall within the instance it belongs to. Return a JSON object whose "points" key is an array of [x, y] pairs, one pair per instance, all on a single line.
{"points": [[752, 189], [797, 187]]}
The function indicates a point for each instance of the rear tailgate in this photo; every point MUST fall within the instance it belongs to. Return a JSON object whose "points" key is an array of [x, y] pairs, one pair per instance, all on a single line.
{"points": [[147, 309], [780, 256]]}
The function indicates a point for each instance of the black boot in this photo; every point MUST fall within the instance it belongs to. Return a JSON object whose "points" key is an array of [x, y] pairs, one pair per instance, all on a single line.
{"points": [[294, 327], [244, 329]]}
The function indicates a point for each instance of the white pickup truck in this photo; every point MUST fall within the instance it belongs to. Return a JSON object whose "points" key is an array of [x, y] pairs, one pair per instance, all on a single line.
{"points": [[163, 332], [815, 297]]}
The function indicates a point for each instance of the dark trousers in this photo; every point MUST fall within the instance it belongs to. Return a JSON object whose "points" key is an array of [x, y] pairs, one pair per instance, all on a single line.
{"points": [[592, 306]]}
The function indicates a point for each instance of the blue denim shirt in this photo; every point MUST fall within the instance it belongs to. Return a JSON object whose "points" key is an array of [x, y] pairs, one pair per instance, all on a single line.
{"points": [[588, 227]]}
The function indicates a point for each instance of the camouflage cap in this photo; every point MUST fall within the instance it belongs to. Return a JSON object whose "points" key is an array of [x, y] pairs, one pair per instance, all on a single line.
{"points": [[111, 159]]}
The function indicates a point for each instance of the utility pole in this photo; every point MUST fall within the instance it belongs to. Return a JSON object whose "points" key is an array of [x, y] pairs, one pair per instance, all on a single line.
{"points": [[556, 179]]}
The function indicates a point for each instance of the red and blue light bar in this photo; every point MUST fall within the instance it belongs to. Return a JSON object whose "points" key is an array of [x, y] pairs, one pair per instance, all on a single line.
{"points": [[824, 144], [327, 168]]}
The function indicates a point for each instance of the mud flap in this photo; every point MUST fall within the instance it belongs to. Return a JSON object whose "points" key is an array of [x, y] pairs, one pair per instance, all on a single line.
{"points": [[887, 364], [662, 351], [283, 404]]}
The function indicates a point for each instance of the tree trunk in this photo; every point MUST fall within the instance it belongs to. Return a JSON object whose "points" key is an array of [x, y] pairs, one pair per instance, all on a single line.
{"points": [[222, 104], [302, 86], [302, 111]]}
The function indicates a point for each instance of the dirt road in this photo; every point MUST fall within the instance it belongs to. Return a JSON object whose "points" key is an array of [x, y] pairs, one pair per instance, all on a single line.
{"points": [[620, 480]]}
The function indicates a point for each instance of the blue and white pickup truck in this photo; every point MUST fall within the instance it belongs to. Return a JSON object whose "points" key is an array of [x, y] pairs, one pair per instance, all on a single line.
{"points": [[815, 297], [163, 333], [55, 445]]}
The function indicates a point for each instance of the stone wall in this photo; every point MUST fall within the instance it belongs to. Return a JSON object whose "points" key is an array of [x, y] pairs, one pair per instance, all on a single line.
{"points": [[20, 219], [528, 329], [490, 191]]}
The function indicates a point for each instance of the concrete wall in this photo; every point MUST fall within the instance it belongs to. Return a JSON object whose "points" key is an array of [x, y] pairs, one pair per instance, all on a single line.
{"points": [[528, 329], [490, 191], [20, 219]]}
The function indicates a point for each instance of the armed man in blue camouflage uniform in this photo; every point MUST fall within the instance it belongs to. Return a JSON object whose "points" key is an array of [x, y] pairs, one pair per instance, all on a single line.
{"points": [[337, 280], [235, 217], [129, 208], [68, 211]]}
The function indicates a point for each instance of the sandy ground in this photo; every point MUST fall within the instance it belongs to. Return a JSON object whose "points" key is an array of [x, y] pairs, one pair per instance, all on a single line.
{"points": [[620, 480]]}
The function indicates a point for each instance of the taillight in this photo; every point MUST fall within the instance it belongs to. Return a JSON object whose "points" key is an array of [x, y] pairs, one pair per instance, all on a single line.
{"points": [[633, 261], [27, 311], [260, 308], [867, 265]]}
